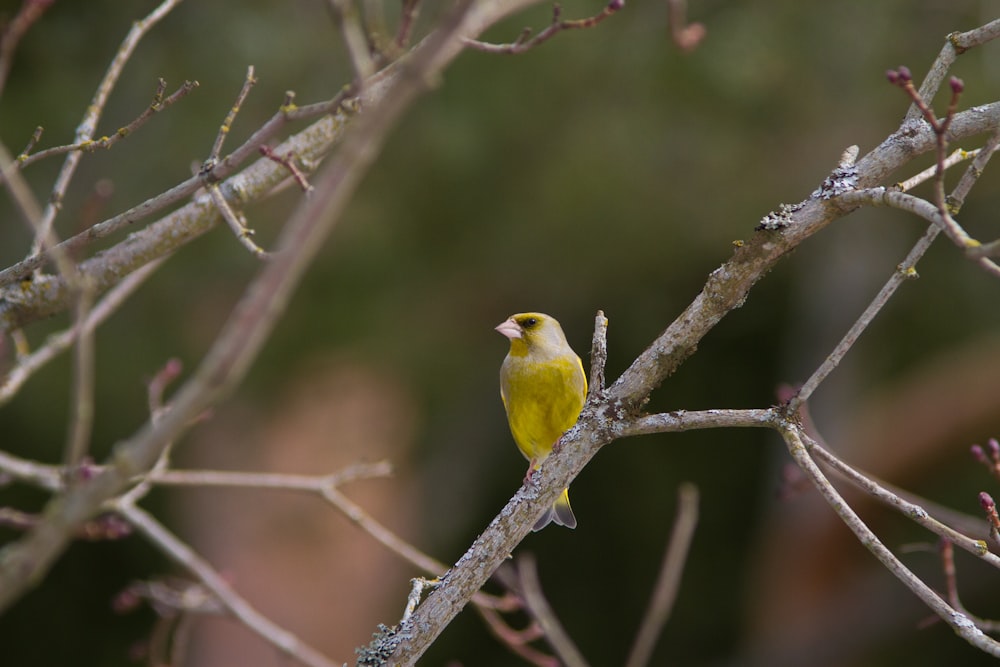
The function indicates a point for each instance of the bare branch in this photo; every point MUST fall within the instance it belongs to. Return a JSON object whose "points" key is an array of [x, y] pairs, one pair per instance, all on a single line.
{"points": [[799, 446], [906, 270], [956, 44], [538, 607], [28, 15], [236, 223], [406, 21], [956, 157], [693, 420], [158, 104], [24, 199], [288, 162], [951, 584], [56, 344], [345, 13], [184, 556], [669, 580], [883, 493], [227, 124], [82, 396], [598, 356], [525, 42], [310, 144], [44, 237]]}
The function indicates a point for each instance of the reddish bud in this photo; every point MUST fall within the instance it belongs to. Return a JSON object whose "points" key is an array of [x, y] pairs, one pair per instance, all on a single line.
{"points": [[126, 601], [957, 85], [994, 447], [87, 470], [173, 367], [904, 73], [986, 501], [978, 454], [892, 75], [114, 527], [615, 5]]}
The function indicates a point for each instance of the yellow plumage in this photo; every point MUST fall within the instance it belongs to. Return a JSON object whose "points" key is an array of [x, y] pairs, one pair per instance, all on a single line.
{"points": [[543, 388]]}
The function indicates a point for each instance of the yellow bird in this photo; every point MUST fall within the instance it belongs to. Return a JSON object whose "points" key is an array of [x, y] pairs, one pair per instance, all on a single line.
{"points": [[543, 388]]}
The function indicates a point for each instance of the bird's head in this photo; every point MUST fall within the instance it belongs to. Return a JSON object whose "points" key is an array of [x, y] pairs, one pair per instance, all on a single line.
{"points": [[532, 331]]}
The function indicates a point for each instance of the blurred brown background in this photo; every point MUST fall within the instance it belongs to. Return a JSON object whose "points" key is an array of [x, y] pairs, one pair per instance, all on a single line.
{"points": [[603, 170]]}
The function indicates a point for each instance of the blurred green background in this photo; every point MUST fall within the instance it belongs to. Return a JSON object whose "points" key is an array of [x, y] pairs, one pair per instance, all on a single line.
{"points": [[604, 170]]}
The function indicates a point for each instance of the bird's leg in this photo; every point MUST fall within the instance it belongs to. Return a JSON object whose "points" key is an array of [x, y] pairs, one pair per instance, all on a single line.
{"points": [[531, 469]]}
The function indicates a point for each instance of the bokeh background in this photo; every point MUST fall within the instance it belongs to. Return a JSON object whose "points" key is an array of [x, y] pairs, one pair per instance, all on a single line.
{"points": [[604, 170]]}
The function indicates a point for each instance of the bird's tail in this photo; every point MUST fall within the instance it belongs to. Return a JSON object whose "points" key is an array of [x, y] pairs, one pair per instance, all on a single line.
{"points": [[560, 512]]}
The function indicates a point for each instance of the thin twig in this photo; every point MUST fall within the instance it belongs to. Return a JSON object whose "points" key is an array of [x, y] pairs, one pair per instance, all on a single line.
{"points": [[956, 44], [27, 365], [24, 198], [174, 594], [43, 475], [957, 156], [383, 535], [957, 198], [159, 103], [951, 586], [288, 162], [904, 80], [184, 556], [345, 15], [325, 486], [227, 166], [407, 18], [668, 582], [417, 587], [103, 528], [44, 236], [158, 384], [885, 495], [542, 613], [243, 233], [796, 441], [905, 271], [598, 356], [154, 394], [923, 209], [517, 641], [227, 123], [82, 394], [28, 15], [525, 42]]}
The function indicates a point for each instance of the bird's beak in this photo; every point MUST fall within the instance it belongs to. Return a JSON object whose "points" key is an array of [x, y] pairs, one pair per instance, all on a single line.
{"points": [[509, 328]]}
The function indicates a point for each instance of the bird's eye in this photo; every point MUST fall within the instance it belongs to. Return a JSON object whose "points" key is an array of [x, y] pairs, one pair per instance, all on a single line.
{"points": [[529, 322]]}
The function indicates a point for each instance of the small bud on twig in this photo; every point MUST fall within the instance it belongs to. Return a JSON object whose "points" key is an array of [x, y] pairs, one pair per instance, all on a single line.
{"points": [[986, 501]]}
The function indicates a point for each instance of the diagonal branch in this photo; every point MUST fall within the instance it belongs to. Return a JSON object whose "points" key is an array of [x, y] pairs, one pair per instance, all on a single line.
{"points": [[184, 556], [44, 237], [799, 445], [27, 560]]}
